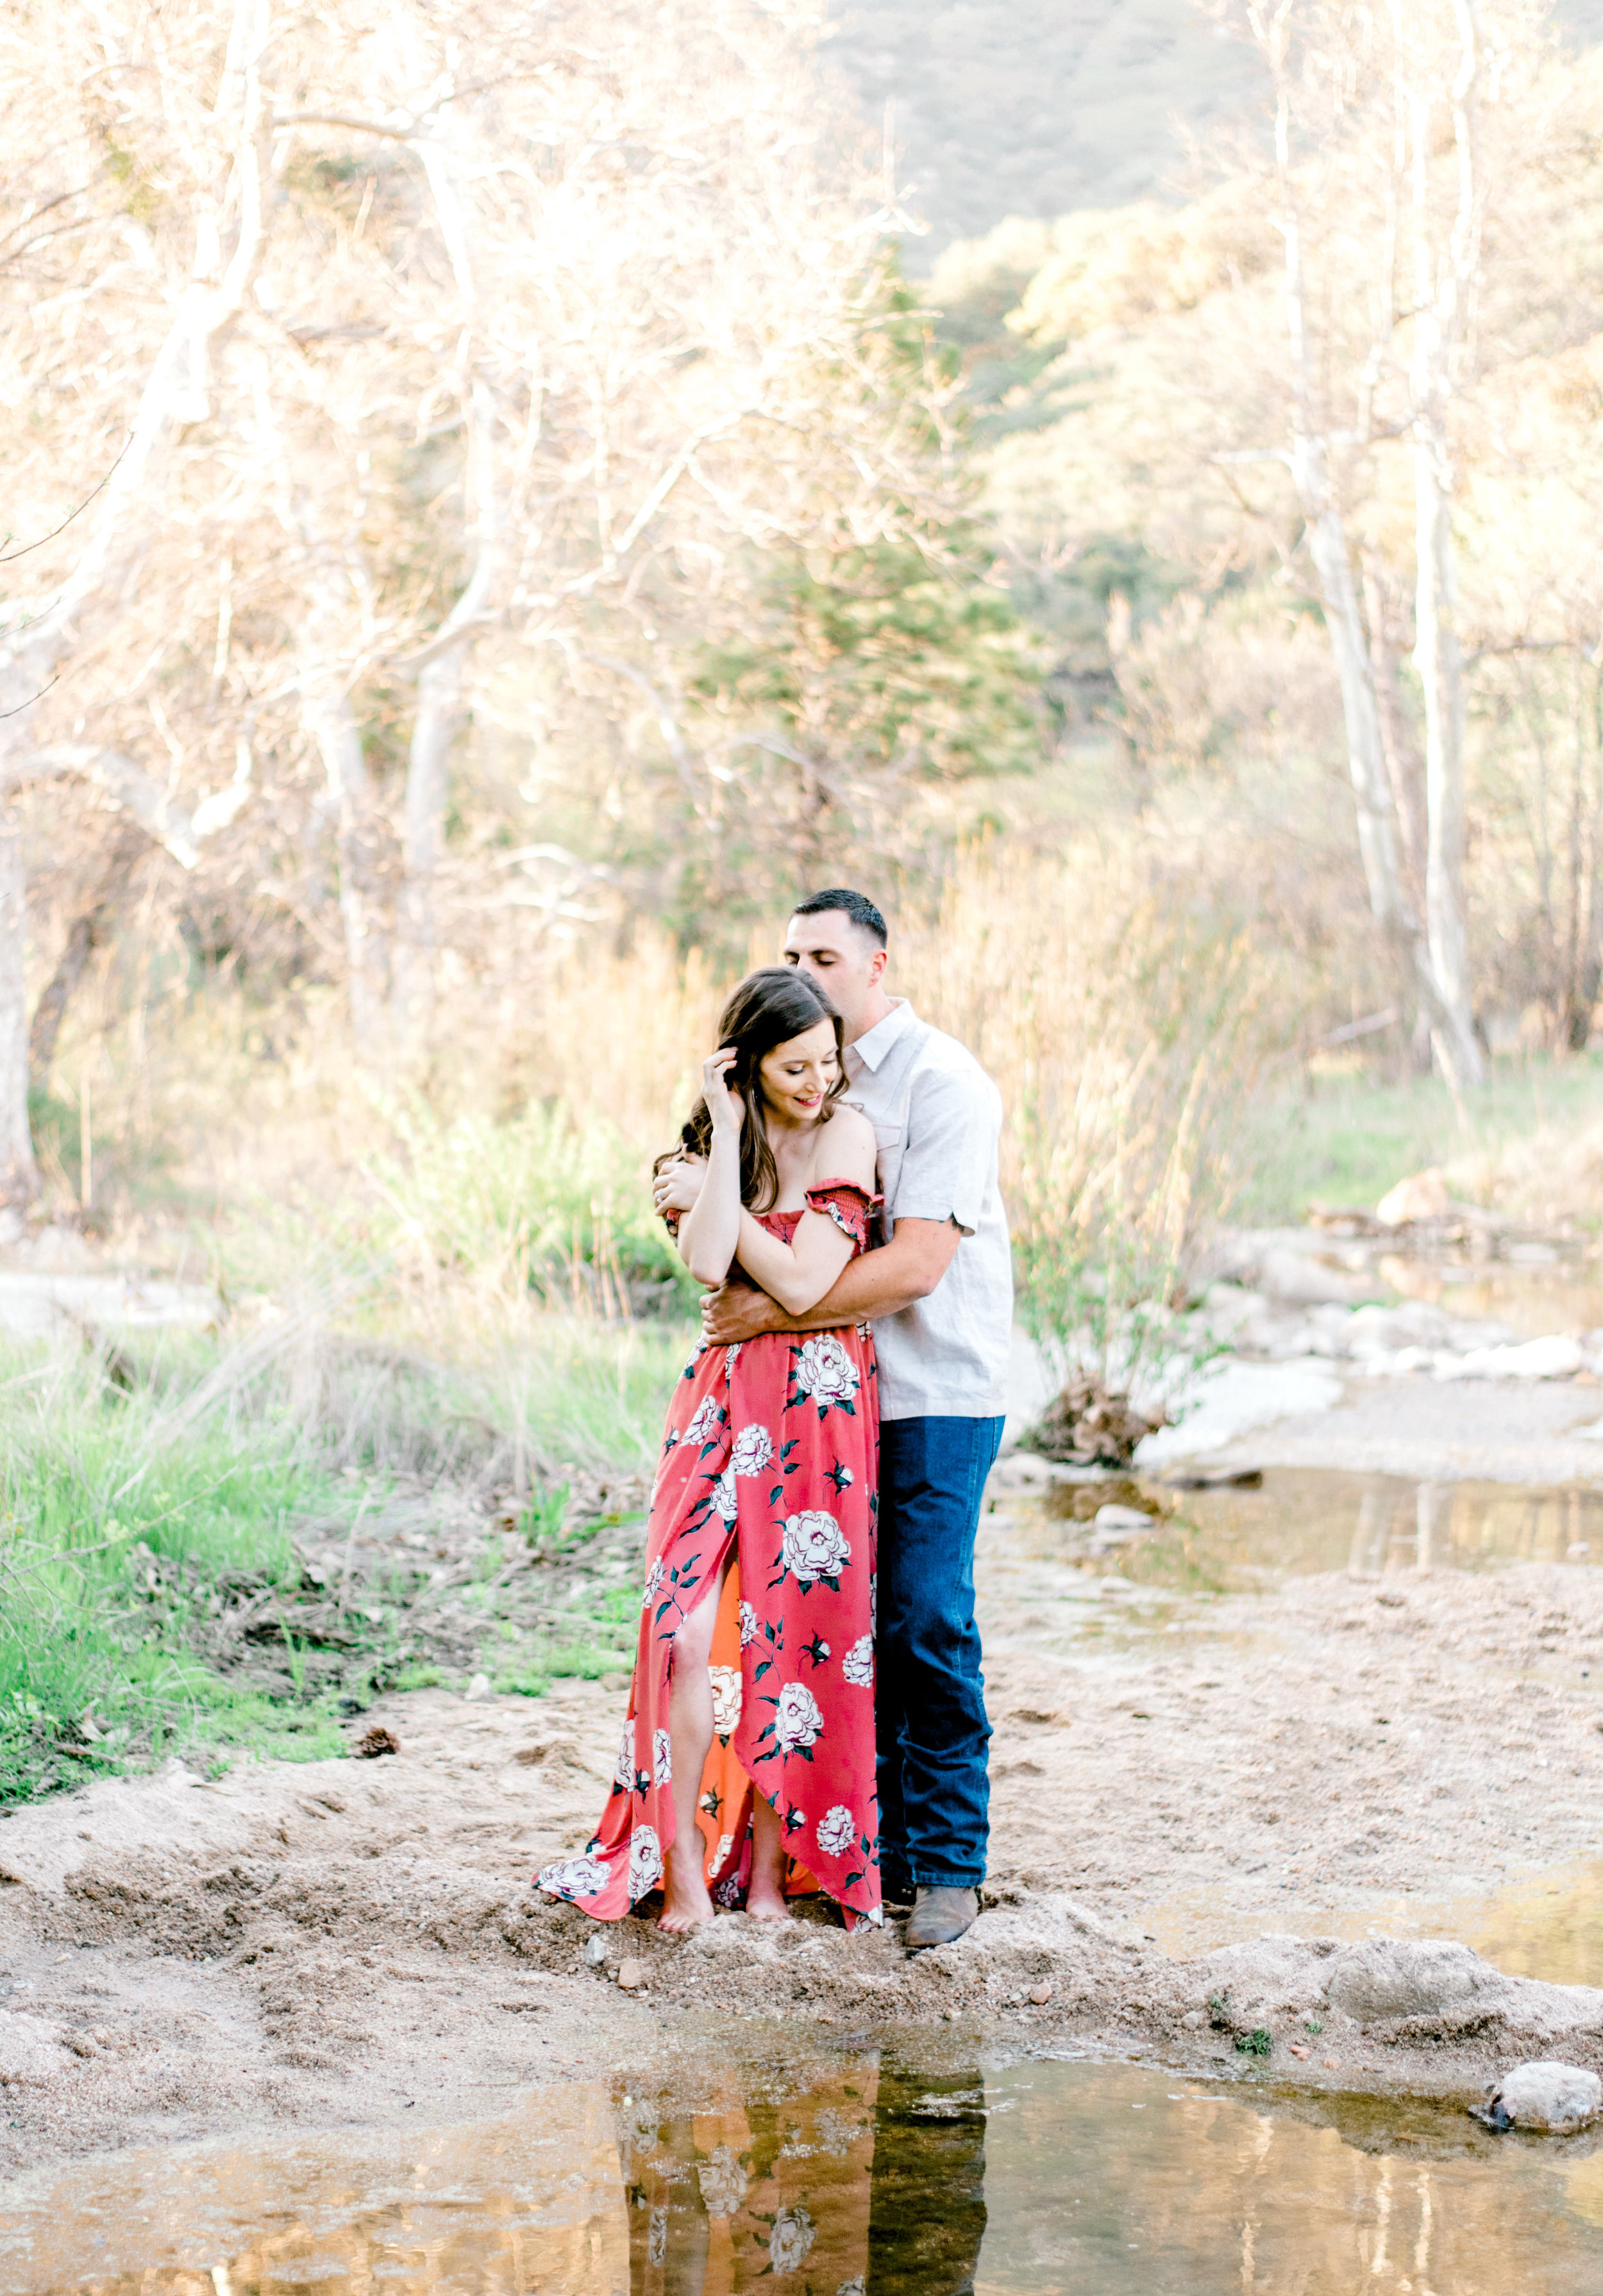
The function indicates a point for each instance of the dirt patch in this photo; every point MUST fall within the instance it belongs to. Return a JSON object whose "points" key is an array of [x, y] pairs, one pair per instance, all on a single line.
{"points": [[357, 1941]]}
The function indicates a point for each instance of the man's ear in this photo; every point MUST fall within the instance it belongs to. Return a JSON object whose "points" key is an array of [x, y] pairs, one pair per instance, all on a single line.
{"points": [[877, 964]]}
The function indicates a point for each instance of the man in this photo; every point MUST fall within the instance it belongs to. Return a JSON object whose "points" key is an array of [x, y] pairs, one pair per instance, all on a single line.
{"points": [[939, 1294]]}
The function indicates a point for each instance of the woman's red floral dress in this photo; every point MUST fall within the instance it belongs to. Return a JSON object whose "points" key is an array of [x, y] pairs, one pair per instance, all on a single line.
{"points": [[770, 1463]]}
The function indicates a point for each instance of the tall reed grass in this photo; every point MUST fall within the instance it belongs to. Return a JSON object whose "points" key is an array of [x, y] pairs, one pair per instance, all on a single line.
{"points": [[1125, 1018]]}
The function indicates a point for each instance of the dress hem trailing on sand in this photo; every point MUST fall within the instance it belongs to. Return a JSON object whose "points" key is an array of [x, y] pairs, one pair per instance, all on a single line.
{"points": [[765, 1501]]}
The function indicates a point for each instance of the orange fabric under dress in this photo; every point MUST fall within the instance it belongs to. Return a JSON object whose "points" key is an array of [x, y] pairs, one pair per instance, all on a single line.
{"points": [[769, 1476]]}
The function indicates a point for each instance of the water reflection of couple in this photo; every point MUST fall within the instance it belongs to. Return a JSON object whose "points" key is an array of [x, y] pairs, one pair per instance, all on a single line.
{"points": [[868, 2183], [835, 1188]]}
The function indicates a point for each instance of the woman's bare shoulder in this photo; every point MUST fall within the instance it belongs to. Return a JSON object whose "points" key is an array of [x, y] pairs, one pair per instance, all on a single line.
{"points": [[848, 1149]]}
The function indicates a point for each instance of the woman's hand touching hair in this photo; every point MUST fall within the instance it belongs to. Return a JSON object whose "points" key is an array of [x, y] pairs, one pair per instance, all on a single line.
{"points": [[725, 1108]]}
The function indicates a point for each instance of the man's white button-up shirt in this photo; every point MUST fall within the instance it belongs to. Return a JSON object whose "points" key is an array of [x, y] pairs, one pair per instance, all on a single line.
{"points": [[937, 1119]]}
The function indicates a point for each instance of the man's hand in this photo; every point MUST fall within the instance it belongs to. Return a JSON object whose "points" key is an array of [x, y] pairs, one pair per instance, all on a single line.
{"points": [[678, 1184], [734, 1312]]}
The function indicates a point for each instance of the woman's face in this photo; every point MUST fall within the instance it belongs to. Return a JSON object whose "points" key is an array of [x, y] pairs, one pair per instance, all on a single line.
{"points": [[795, 1075]]}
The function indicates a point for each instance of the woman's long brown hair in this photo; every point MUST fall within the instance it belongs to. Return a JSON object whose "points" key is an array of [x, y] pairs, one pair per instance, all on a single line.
{"points": [[767, 1009]]}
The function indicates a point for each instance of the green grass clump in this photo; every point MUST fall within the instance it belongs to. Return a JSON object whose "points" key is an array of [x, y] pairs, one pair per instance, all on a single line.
{"points": [[118, 1558], [1346, 1139]]}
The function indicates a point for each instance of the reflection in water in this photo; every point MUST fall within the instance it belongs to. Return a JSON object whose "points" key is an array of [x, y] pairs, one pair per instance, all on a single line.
{"points": [[869, 2179], [927, 2210], [847, 2176], [770, 2179], [1302, 1519]]}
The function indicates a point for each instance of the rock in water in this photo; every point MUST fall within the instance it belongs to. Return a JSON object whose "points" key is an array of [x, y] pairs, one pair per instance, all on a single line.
{"points": [[1087, 1427], [1554, 2098], [1422, 1196]]}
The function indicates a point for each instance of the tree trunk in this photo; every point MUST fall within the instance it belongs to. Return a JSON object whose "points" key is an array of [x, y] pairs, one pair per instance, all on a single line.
{"points": [[435, 727], [1441, 668], [332, 722], [1456, 1049], [1402, 763], [173, 392], [18, 1173], [89, 930]]}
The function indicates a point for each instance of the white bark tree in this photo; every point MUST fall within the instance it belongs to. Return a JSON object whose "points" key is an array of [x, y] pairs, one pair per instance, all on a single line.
{"points": [[456, 355], [1392, 133]]}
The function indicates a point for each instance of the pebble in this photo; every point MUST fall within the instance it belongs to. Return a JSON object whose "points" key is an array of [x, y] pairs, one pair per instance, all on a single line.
{"points": [[1041, 1994], [477, 1691], [630, 1975]]}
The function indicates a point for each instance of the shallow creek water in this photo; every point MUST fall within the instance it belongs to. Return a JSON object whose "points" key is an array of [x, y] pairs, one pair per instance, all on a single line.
{"points": [[864, 2173], [1302, 1519]]}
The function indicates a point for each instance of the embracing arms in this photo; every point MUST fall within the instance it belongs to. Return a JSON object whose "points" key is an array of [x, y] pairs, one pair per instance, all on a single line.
{"points": [[879, 1283], [797, 1275], [714, 1228]]}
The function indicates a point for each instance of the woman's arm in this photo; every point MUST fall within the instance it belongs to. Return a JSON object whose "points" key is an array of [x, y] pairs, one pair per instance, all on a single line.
{"points": [[798, 1274], [710, 1230]]}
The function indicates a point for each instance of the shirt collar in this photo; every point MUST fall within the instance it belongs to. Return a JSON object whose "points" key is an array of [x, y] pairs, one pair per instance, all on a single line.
{"points": [[872, 1047]]}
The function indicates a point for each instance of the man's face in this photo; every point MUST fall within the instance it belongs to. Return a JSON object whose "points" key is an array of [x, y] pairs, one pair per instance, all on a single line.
{"points": [[845, 962]]}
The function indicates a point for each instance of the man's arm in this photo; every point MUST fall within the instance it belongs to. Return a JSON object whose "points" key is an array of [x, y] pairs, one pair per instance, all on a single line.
{"points": [[878, 1284]]}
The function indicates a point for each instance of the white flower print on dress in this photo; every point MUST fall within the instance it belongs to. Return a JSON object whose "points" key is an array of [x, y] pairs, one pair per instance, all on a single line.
{"points": [[655, 1578], [575, 1877], [873, 1602], [662, 1758], [726, 1698], [706, 1421], [645, 1862], [824, 1373], [731, 1358], [858, 1664], [814, 1547], [753, 1451], [726, 1842], [751, 1625], [624, 1775], [791, 2237], [798, 1721], [723, 1496], [837, 1831]]}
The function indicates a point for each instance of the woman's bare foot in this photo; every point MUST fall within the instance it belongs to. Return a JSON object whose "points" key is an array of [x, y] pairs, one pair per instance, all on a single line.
{"points": [[686, 1903], [765, 1890], [765, 1901]]}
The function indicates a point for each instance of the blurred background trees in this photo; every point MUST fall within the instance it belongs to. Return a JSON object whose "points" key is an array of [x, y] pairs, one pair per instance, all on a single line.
{"points": [[489, 502]]}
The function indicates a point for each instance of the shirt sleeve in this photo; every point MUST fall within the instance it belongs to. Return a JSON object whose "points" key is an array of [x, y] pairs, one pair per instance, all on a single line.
{"points": [[953, 1122]]}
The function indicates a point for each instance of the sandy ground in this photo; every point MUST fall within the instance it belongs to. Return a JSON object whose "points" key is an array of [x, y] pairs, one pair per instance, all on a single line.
{"points": [[1202, 1810]]}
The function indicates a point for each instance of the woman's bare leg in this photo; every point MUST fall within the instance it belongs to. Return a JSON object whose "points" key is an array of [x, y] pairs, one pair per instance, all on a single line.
{"points": [[766, 1892], [685, 1900]]}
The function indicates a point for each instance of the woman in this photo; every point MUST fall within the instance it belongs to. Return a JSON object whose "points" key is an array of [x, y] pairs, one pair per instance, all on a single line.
{"points": [[746, 1769]]}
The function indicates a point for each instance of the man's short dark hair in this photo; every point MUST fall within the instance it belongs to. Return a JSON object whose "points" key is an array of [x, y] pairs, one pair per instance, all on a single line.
{"points": [[856, 906]]}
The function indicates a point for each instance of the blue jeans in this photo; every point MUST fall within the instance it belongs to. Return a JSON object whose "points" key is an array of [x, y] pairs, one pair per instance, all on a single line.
{"points": [[930, 1705]]}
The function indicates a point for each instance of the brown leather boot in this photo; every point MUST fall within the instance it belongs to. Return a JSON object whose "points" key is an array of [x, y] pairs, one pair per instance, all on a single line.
{"points": [[939, 1915]]}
